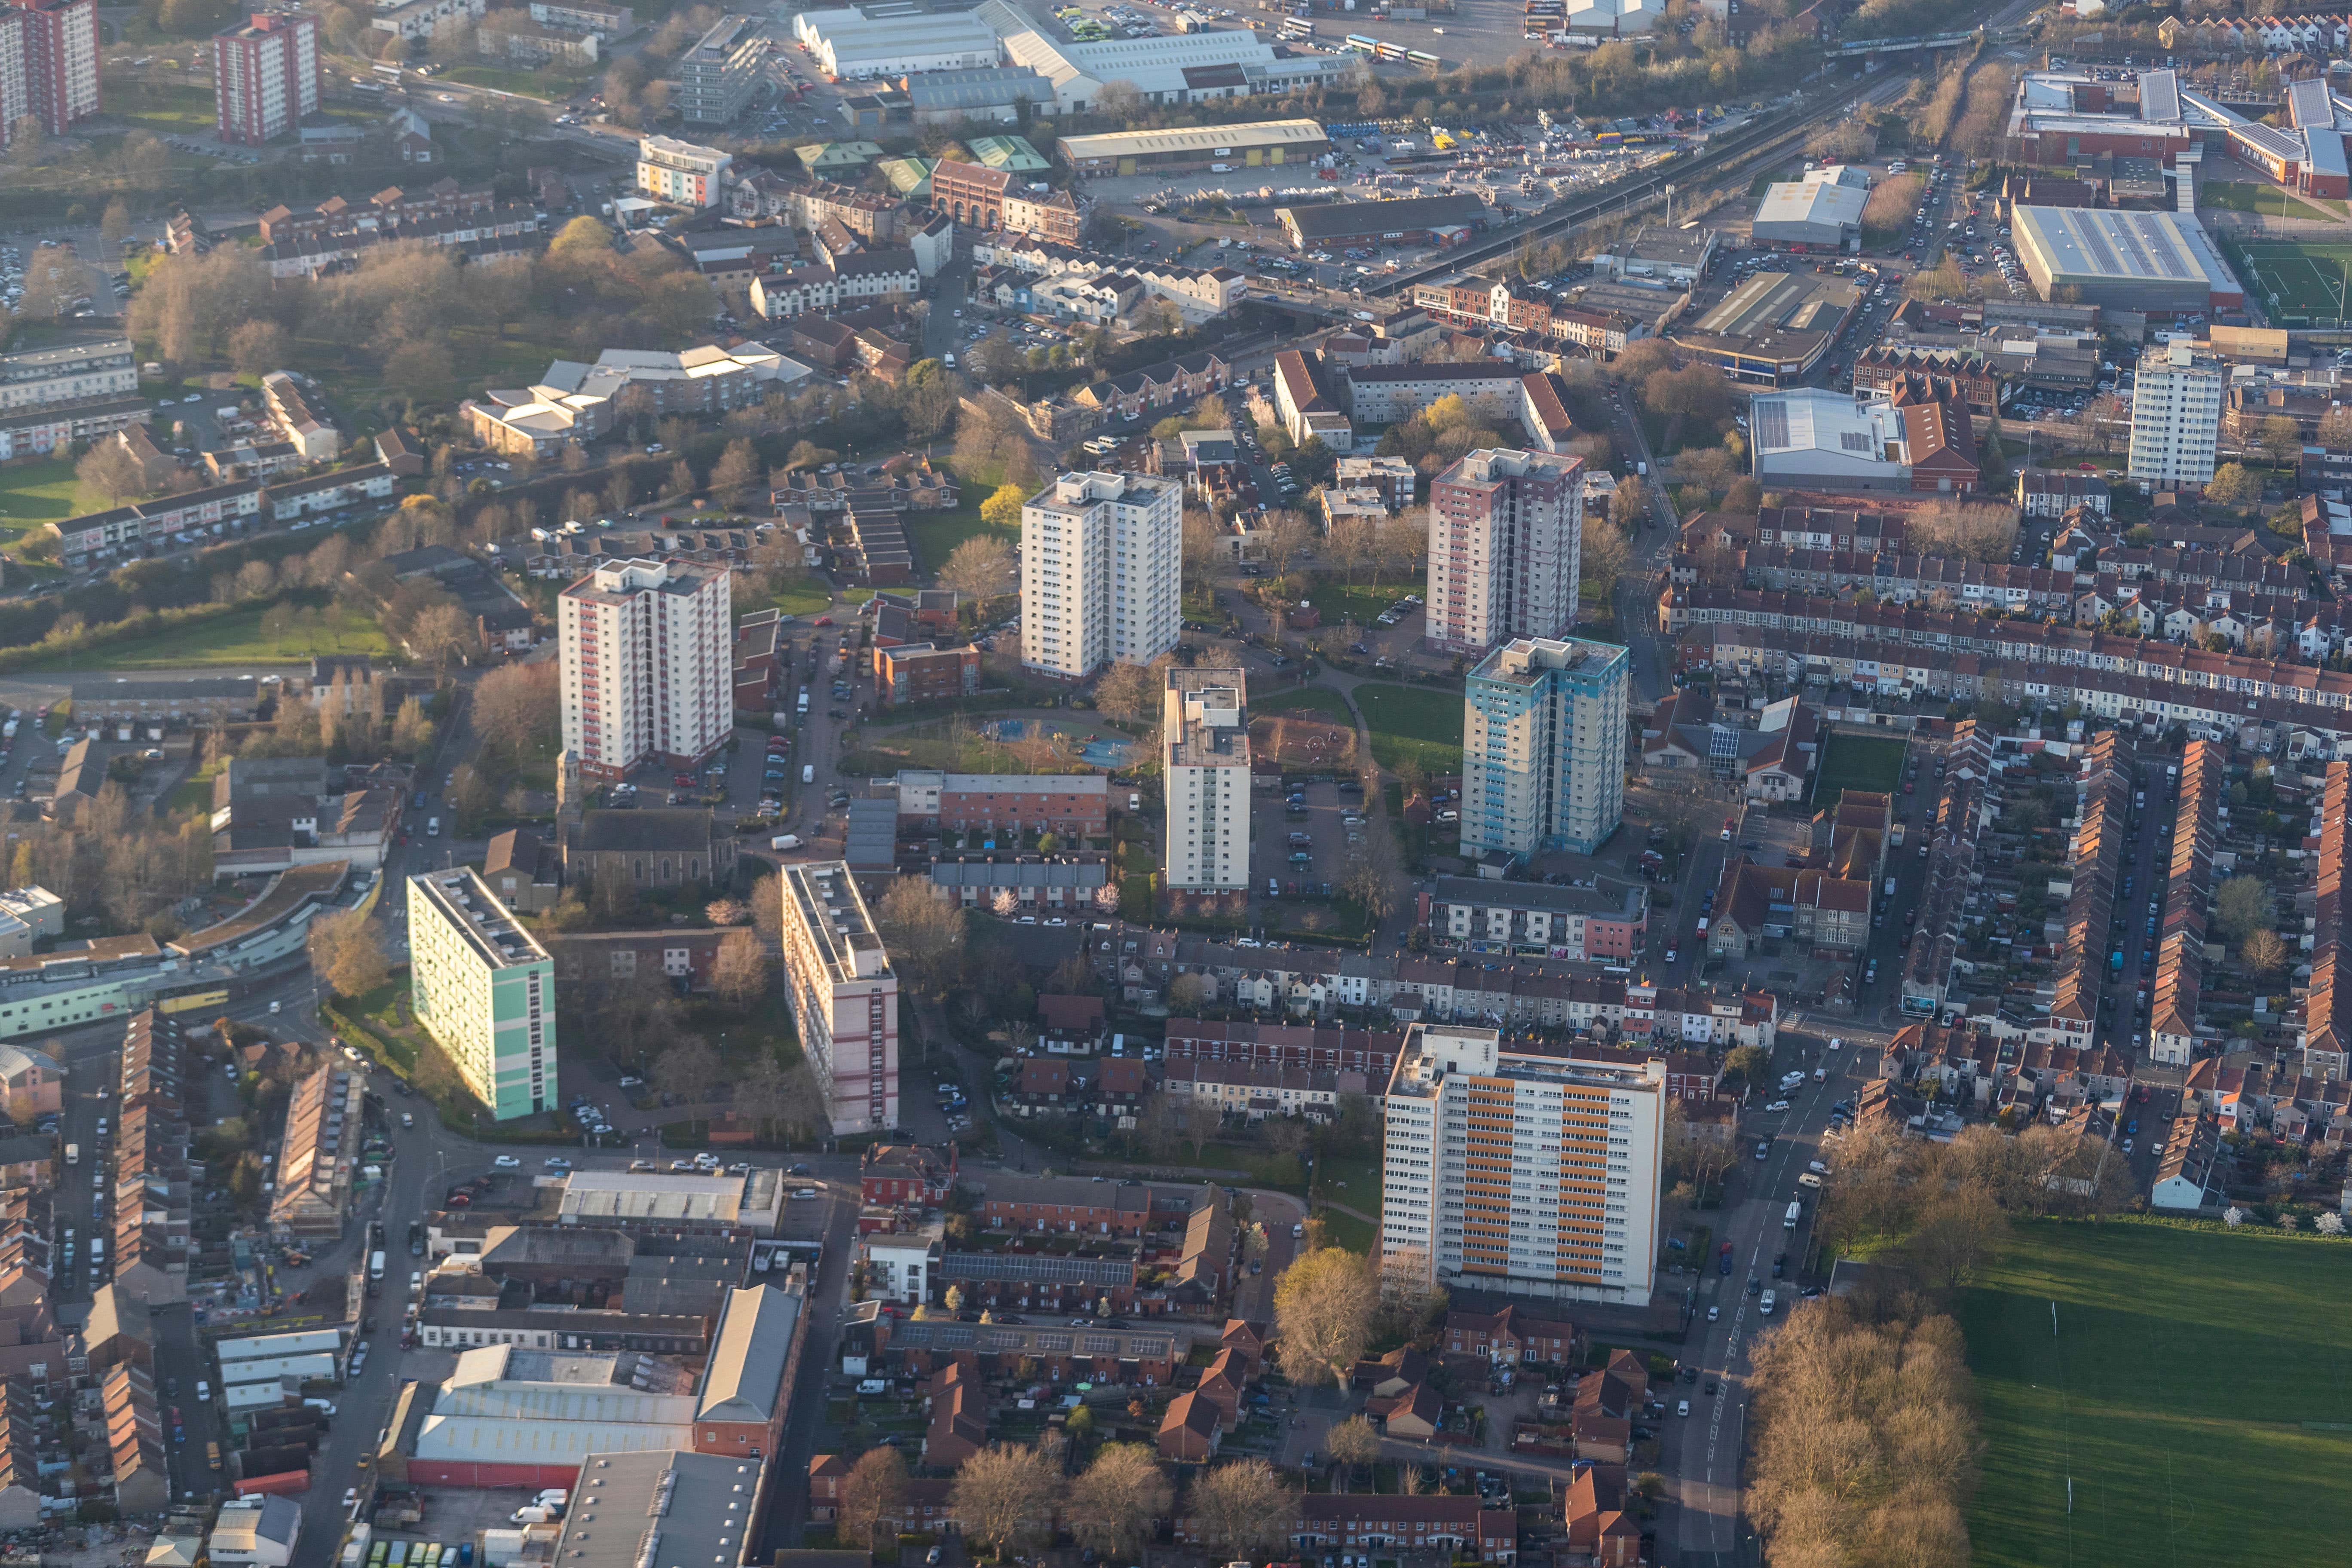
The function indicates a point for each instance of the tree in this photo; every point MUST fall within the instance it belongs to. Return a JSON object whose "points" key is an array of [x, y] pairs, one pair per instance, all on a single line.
{"points": [[1116, 1505], [981, 568], [870, 1496], [258, 347], [1002, 508], [1243, 1508], [1748, 1066], [2240, 906], [1188, 993], [1630, 503], [346, 954], [519, 712], [2281, 437], [926, 936], [108, 469], [1976, 530], [1605, 552], [738, 469], [1132, 692], [1323, 1308], [739, 972], [1956, 1231], [1353, 1443], [2233, 484], [690, 1070], [2265, 953], [1006, 1494], [114, 224]]}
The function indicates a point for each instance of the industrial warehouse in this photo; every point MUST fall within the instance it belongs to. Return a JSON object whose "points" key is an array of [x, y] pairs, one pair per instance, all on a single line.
{"points": [[2153, 261], [1443, 220], [1775, 327], [1821, 211], [1250, 146]]}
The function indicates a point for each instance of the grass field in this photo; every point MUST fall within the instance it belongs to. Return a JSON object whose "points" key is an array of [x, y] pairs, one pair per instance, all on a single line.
{"points": [[801, 596], [2299, 280], [31, 494], [2186, 1362], [229, 639], [1859, 762], [2238, 197], [935, 534], [530, 84], [1337, 602], [1319, 699], [1423, 724]]}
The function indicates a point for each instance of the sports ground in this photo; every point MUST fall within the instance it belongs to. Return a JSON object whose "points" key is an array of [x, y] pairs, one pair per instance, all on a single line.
{"points": [[2155, 1392], [2299, 281]]}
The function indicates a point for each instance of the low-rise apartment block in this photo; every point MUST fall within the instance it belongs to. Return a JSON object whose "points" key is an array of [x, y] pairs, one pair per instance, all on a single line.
{"points": [[1604, 925], [1070, 805]]}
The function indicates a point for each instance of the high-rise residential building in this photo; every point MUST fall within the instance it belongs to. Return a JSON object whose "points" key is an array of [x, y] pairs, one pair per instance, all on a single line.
{"points": [[60, 62], [1205, 725], [844, 994], [1102, 573], [714, 78], [1531, 1169], [265, 76], [648, 666], [1506, 544], [485, 989], [1543, 747], [2177, 416]]}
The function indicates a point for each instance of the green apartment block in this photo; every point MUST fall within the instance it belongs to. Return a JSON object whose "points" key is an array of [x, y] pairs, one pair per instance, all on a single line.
{"points": [[486, 989]]}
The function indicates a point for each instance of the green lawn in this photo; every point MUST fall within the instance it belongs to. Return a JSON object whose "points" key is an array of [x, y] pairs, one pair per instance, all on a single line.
{"points": [[229, 639], [2187, 1363], [1318, 700], [1859, 762], [1420, 723], [529, 84], [165, 108], [33, 493], [801, 596], [1337, 602], [2240, 196], [935, 534]]}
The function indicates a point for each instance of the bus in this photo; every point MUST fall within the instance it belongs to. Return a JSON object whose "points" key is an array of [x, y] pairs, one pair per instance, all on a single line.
{"points": [[1385, 50], [389, 72], [1420, 58], [1296, 28], [1357, 41]]}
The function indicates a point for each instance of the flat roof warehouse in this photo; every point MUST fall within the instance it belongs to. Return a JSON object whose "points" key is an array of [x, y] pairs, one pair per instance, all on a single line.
{"points": [[1322, 224], [1286, 138]]}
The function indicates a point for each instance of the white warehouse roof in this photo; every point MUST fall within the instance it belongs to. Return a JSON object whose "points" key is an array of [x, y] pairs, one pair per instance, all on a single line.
{"points": [[262, 1346], [1826, 203]]}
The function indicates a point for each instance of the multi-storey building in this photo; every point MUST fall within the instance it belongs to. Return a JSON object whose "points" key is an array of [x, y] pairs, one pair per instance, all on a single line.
{"points": [[647, 666], [1101, 573], [1076, 806], [844, 994], [716, 76], [685, 173], [53, 54], [485, 989], [1506, 544], [970, 193], [265, 76], [68, 373], [2177, 416], [1543, 747], [602, 17], [415, 19], [1204, 724], [1527, 1169]]}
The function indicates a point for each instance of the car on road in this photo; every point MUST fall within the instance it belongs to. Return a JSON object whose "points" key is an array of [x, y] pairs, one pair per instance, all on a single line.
{"points": [[508, 1162], [1764, 1150], [556, 1163], [1778, 1105], [1681, 1407], [804, 1194]]}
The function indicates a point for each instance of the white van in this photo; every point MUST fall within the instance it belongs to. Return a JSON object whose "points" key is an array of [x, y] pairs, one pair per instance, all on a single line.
{"points": [[1796, 1212], [1764, 1303], [873, 1385], [808, 772], [432, 828]]}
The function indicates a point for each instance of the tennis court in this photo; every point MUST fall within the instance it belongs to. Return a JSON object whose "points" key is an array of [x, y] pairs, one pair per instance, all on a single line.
{"points": [[2300, 281]]}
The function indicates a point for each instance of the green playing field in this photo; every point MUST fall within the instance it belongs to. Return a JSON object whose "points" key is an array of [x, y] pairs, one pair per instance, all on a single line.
{"points": [[2298, 278]]}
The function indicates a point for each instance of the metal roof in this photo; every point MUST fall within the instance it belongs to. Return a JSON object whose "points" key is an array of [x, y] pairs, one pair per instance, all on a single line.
{"points": [[749, 1359], [1193, 139]]}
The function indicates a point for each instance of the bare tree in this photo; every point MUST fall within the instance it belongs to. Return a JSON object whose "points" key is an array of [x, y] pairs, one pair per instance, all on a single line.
{"points": [[1977, 531], [739, 972], [1353, 1443], [926, 936], [1323, 1307], [980, 569], [1116, 1506], [690, 1070], [871, 1494], [108, 469], [347, 954], [1006, 1494], [1245, 1509]]}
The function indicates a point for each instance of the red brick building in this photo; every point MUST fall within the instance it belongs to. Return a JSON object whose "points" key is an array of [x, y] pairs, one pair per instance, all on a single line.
{"points": [[969, 192], [1285, 1046], [1512, 1336], [892, 1173], [923, 672], [1350, 1519]]}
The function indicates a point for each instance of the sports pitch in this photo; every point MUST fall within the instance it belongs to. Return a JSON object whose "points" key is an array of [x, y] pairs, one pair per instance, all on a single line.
{"points": [[2300, 279]]}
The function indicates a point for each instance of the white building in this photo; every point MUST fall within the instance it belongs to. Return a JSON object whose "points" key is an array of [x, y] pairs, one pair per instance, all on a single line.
{"points": [[900, 1264], [1168, 69], [417, 18], [683, 174], [1506, 547], [2177, 416], [1205, 725], [259, 1532], [27, 914], [485, 989], [1822, 212], [1532, 1173], [845, 42], [843, 993], [68, 373], [1101, 573], [648, 666], [1543, 747]]}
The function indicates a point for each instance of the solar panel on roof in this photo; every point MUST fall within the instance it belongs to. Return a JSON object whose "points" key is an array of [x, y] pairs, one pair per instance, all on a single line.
{"points": [[1771, 415], [957, 1335], [2159, 96], [1054, 1343], [1102, 1344]]}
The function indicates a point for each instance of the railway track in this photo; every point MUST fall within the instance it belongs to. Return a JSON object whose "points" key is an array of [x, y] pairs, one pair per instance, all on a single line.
{"points": [[1749, 144]]}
